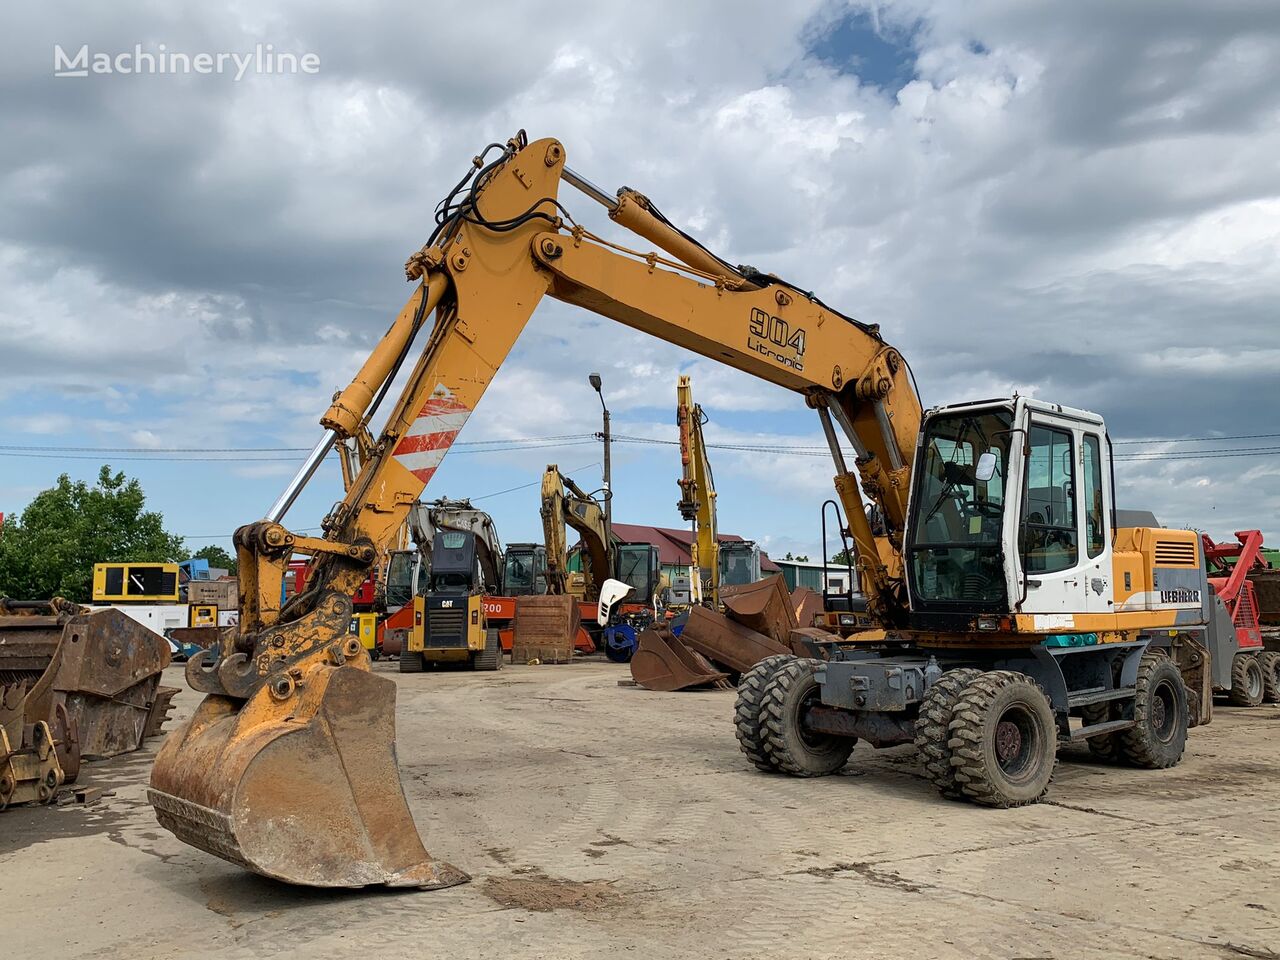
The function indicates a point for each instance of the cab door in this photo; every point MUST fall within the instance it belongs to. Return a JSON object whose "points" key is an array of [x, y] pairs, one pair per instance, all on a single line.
{"points": [[1049, 535], [1095, 514]]}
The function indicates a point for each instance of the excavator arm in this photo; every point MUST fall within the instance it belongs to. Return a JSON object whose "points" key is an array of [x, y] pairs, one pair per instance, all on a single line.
{"points": [[697, 495], [288, 766], [564, 502]]}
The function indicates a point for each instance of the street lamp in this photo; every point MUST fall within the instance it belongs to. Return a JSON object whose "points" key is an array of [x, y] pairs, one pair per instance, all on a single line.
{"points": [[595, 382]]}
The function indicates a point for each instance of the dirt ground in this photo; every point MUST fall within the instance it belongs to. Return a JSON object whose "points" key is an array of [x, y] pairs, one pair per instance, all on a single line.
{"points": [[602, 821]]}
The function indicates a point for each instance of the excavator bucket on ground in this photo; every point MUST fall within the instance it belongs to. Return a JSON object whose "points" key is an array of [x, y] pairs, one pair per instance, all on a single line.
{"points": [[299, 781], [661, 662], [74, 683], [764, 606], [725, 641]]}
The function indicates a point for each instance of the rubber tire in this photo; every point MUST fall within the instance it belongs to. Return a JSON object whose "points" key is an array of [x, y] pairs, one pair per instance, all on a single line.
{"points": [[490, 658], [1141, 745], [1246, 672], [933, 729], [1270, 663], [786, 745], [973, 734], [410, 662], [1106, 746], [747, 720]]}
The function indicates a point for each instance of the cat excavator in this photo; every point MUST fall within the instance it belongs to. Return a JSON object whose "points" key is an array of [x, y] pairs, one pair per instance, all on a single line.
{"points": [[1009, 601]]}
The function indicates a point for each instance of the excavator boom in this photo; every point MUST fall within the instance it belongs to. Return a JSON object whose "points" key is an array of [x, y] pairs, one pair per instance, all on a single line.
{"points": [[288, 765]]}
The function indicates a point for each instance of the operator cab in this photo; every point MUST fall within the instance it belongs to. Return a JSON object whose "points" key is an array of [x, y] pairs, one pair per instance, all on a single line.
{"points": [[524, 570], [455, 568], [739, 563], [639, 567], [1010, 511]]}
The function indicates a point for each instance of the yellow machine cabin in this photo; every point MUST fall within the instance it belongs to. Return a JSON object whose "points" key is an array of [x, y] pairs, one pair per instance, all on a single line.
{"points": [[135, 583]]}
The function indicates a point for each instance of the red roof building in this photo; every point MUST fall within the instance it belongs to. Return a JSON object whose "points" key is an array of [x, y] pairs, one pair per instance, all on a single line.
{"points": [[673, 544]]}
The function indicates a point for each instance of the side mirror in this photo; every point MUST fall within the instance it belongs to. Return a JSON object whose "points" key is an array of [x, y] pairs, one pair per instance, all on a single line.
{"points": [[986, 468]]}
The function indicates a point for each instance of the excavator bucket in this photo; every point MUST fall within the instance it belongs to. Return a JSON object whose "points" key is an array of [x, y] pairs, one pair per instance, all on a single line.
{"points": [[73, 683], [764, 606], [299, 782], [661, 662], [725, 641]]}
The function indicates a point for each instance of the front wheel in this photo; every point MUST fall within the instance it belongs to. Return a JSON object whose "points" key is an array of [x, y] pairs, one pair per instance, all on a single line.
{"points": [[1004, 740], [789, 746]]}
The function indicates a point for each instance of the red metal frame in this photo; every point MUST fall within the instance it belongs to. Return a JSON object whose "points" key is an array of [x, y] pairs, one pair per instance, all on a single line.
{"points": [[1232, 584]]}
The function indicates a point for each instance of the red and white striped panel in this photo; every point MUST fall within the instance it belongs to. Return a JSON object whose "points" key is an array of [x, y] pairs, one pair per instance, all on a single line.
{"points": [[429, 437]]}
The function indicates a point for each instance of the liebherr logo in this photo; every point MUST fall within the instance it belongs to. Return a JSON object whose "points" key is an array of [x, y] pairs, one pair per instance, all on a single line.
{"points": [[773, 337]]}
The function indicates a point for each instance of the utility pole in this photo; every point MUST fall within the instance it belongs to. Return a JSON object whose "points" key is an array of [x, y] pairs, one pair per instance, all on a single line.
{"points": [[595, 381]]}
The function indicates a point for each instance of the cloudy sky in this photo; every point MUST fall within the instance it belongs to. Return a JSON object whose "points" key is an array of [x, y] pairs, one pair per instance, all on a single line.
{"points": [[1076, 201]]}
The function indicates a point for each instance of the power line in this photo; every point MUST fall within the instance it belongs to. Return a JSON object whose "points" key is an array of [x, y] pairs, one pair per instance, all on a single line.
{"points": [[1239, 436], [525, 486], [485, 496]]}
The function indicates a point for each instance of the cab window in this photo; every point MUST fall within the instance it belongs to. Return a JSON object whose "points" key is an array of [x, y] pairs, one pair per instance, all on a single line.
{"points": [[1095, 529], [1049, 540]]}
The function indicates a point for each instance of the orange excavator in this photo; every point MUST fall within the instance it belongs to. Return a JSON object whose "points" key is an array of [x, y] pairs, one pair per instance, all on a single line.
{"points": [[998, 589]]}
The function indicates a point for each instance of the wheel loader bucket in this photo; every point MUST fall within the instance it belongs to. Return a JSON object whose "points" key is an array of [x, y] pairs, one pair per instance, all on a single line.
{"points": [[661, 662], [299, 782]]}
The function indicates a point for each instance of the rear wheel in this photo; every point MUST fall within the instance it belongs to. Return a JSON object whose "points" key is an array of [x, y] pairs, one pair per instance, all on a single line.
{"points": [[788, 745], [1247, 683], [747, 720], [933, 734], [1107, 745], [1270, 663], [1004, 740], [490, 658], [410, 661], [1159, 734]]}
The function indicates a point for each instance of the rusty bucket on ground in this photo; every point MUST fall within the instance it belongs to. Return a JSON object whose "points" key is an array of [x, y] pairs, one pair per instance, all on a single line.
{"points": [[764, 606], [727, 642], [295, 778], [74, 683], [661, 662]]}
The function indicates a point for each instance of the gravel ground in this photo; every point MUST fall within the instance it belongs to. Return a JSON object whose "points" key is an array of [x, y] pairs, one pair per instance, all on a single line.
{"points": [[597, 819]]}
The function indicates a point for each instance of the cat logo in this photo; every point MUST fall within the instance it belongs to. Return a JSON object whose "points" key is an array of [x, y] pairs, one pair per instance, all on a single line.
{"points": [[446, 603], [773, 337]]}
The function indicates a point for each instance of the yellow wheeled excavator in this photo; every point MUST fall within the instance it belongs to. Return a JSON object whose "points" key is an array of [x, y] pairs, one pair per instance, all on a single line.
{"points": [[1015, 612], [697, 504], [733, 562]]}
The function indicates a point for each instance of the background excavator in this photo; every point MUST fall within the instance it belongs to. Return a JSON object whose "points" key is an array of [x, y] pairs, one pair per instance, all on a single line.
{"points": [[1009, 598], [618, 584], [734, 562], [456, 561]]}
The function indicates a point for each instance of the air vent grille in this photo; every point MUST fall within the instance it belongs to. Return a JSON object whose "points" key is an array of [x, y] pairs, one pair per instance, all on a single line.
{"points": [[1175, 553]]}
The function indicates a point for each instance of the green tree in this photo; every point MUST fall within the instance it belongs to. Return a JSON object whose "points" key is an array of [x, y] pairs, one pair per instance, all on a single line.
{"points": [[217, 557], [51, 549]]}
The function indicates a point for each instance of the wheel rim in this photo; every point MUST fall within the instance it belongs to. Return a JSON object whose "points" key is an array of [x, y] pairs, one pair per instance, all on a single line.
{"points": [[1164, 711], [810, 738], [1017, 741], [1253, 681]]}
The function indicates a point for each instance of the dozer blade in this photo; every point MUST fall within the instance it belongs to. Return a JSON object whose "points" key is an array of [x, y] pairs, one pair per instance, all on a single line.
{"points": [[663, 663], [299, 784]]}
